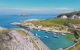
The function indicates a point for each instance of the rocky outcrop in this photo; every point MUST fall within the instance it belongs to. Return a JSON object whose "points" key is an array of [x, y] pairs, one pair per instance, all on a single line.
{"points": [[12, 40], [72, 15]]}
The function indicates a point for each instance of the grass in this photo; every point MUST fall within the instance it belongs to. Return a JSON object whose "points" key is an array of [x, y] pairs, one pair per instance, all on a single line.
{"points": [[78, 32], [77, 46], [70, 36], [54, 21], [57, 22]]}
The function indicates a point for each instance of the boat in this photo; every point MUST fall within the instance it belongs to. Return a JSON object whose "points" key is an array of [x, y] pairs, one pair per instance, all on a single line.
{"points": [[46, 37], [63, 34], [55, 36], [36, 34]]}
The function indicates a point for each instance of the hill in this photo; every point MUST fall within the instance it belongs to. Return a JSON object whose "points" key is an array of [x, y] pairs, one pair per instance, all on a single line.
{"points": [[53, 21], [73, 15]]}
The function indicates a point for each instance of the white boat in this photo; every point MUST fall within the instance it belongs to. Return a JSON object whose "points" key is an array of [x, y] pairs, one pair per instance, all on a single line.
{"points": [[46, 37], [55, 36], [36, 34]]}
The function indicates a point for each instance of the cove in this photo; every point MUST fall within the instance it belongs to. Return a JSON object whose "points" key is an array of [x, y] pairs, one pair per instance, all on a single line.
{"points": [[52, 42]]}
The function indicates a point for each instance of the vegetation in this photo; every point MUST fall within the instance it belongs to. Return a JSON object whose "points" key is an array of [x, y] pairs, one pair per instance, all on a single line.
{"points": [[70, 37], [78, 32], [60, 22], [55, 21], [70, 14]]}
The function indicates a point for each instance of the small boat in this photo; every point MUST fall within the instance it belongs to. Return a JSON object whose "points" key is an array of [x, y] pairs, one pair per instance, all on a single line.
{"points": [[63, 34], [46, 37], [36, 34], [56, 36]]}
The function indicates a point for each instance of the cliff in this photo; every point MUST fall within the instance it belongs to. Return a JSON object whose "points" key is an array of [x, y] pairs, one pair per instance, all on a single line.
{"points": [[10, 39]]}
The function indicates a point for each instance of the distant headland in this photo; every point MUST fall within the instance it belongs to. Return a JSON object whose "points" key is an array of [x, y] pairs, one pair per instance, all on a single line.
{"points": [[72, 15]]}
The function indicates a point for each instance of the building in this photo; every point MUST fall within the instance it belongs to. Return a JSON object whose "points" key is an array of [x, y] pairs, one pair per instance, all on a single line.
{"points": [[74, 17], [64, 17]]}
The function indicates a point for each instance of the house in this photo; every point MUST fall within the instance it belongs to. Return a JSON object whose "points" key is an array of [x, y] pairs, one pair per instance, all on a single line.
{"points": [[78, 17], [39, 26], [64, 17], [74, 17]]}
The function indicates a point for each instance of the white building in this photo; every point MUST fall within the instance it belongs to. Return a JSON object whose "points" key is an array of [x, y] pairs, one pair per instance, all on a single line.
{"points": [[78, 17], [64, 16], [74, 17]]}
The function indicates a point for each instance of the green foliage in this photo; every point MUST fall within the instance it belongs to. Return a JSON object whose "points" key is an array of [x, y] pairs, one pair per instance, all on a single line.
{"points": [[55, 21], [78, 32], [77, 12], [70, 36]]}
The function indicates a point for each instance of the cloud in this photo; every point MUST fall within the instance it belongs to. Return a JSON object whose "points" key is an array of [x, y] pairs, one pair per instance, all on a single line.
{"points": [[8, 10]]}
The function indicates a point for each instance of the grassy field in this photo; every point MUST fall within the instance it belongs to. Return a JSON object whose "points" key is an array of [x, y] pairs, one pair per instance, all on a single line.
{"points": [[55, 21], [78, 31], [70, 37]]}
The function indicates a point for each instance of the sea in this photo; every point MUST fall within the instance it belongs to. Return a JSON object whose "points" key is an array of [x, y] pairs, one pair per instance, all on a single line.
{"points": [[6, 20], [52, 42]]}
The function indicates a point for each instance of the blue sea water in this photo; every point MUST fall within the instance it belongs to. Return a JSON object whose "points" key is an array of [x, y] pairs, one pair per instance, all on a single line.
{"points": [[51, 42], [5, 20]]}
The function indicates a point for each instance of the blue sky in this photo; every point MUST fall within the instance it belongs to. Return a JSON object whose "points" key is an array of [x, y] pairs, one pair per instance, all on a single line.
{"points": [[39, 5]]}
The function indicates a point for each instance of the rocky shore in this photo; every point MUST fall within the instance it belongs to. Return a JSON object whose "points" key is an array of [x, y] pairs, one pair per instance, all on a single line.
{"points": [[19, 39], [32, 26], [12, 40]]}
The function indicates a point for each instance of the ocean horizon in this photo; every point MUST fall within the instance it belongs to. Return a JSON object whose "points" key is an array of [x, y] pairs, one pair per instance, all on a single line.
{"points": [[5, 20]]}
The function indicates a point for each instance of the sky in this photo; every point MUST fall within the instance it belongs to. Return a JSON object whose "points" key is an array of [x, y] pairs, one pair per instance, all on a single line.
{"points": [[45, 6]]}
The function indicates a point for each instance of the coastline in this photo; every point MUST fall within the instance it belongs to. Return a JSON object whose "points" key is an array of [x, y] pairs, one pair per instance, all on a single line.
{"points": [[42, 29], [39, 43], [71, 46], [34, 27]]}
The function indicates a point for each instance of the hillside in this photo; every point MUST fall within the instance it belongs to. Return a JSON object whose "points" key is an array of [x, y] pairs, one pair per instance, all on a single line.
{"points": [[54, 21], [69, 15]]}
